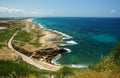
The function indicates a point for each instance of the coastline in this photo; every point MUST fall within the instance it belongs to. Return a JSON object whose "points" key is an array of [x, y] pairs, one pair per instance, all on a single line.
{"points": [[50, 42], [55, 39], [49, 39]]}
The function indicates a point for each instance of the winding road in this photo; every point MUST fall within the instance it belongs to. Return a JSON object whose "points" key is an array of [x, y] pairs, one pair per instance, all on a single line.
{"points": [[26, 58]]}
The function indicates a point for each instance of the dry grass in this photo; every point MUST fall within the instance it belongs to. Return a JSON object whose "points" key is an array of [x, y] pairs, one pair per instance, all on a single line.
{"points": [[105, 74], [7, 54]]}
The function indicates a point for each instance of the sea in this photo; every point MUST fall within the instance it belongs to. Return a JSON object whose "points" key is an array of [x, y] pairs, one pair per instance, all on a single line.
{"points": [[90, 38]]}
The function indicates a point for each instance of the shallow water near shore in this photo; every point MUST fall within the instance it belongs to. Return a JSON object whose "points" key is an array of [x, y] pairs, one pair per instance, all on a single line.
{"points": [[93, 38]]}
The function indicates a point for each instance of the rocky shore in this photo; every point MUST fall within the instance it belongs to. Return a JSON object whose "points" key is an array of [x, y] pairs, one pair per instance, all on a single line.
{"points": [[48, 50], [47, 55], [29, 42]]}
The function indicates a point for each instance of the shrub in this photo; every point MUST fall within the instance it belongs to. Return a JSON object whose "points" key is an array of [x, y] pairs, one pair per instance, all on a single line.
{"points": [[65, 72]]}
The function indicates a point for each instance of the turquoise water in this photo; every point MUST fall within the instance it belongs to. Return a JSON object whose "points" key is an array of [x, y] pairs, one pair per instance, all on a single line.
{"points": [[95, 37], [105, 38]]}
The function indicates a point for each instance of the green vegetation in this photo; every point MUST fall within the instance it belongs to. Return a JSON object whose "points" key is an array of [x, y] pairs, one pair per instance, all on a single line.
{"points": [[65, 72], [116, 54], [19, 43], [5, 35], [35, 44], [109, 67], [23, 36], [20, 69], [37, 34], [8, 68], [110, 62]]}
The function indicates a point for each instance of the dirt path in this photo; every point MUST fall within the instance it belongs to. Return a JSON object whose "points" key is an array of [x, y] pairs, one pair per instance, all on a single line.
{"points": [[41, 65]]}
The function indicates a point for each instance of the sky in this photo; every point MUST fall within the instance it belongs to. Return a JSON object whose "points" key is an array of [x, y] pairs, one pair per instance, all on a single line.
{"points": [[59, 8]]}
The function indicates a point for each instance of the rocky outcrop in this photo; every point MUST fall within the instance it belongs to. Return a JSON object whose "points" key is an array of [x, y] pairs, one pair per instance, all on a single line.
{"points": [[48, 54], [21, 50]]}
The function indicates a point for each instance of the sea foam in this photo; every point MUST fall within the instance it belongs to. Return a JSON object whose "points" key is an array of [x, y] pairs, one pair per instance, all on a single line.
{"points": [[45, 28], [41, 26], [54, 61], [68, 50], [71, 42], [65, 35], [78, 66]]}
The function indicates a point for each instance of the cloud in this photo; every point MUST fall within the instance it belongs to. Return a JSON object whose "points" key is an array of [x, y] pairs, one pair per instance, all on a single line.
{"points": [[13, 12], [113, 11], [4, 11]]}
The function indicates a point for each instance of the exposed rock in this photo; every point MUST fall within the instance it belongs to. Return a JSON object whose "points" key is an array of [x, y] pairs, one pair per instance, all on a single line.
{"points": [[48, 54], [21, 50]]}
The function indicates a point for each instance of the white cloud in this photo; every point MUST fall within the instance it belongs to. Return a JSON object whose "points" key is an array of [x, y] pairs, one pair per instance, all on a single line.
{"points": [[13, 12], [113, 11], [4, 11]]}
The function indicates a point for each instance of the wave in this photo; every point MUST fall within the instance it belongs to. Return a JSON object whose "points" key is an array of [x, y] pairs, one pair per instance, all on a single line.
{"points": [[68, 50], [78, 65], [71, 42], [65, 35], [45, 28], [41, 26], [54, 61]]}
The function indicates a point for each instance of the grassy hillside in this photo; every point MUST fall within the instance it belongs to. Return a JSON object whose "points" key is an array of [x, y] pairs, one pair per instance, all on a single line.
{"points": [[20, 69], [109, 67]]}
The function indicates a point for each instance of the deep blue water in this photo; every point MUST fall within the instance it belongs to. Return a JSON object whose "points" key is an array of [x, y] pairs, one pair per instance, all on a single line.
{"points": [[95, 37]]}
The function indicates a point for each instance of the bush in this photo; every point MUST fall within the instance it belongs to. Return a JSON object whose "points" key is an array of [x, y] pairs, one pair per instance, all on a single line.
{"points": [[64, 72]]}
